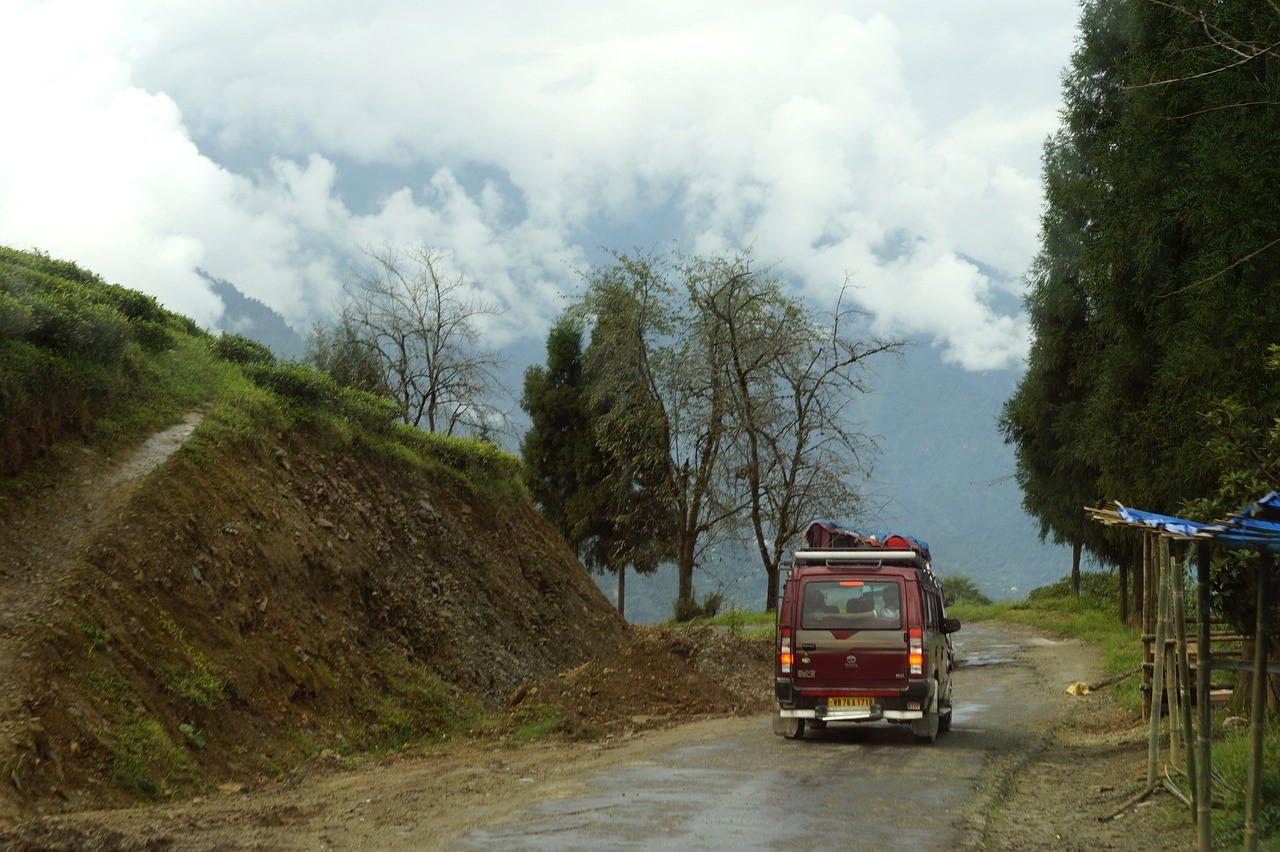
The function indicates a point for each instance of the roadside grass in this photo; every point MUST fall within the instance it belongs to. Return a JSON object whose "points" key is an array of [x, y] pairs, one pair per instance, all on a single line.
{"points": [[735, 620], [1120, 645]]}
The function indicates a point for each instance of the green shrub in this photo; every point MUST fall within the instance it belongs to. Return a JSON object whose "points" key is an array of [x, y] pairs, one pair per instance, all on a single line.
{"points": [[239, 349], [152, 336], [962, 589], [15, 318], [134, 306], [687, 609], [77, 326], [1095, 588], [484, 464], [296, 382], [369, 411]]}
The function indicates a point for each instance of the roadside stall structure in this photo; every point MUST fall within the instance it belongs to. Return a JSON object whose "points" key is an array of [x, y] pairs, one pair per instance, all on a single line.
{"points": [[1256, 527]]}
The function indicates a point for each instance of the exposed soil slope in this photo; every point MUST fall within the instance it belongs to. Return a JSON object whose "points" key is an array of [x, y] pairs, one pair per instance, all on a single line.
{"points": [[241, 607]]}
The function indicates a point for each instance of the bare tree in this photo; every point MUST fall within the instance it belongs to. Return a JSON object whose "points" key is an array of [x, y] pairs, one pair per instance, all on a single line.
{"points": [[417, 315], [792, 375]]}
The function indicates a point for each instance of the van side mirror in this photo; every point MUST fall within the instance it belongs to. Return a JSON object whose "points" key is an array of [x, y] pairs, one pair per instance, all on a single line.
{"points": [[950, 625]]}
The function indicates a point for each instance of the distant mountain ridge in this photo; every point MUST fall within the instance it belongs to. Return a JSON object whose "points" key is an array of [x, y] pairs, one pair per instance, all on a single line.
{"points": [[247, 316]]}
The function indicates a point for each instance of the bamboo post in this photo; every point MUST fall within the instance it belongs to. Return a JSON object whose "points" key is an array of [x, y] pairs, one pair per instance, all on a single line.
{"points": [[1157, 678], [1204, 814], [1146, 625], [1184, 676], [1170, 663], [1171, 687], [1262, 644]]}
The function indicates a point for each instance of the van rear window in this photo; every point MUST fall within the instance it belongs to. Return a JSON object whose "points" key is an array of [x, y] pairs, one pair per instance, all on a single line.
{"points": [[851, 605]]}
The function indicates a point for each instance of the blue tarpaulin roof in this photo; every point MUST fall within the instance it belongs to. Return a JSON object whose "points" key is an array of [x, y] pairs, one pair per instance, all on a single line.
{"points": [[1255, 527]]}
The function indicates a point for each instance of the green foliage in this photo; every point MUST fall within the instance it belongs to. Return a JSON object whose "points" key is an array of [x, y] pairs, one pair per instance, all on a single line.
{"points": [[1151, 298], [83, 360], [412, 704], [560, 442], [1231, 760], [1096, 590], [962, 588], [134, 748], [296, 382], [193, 736], [185, 672], [536, 722], [687, 609], [241, 350], [350, 358], [368, 411], [486, 466]]}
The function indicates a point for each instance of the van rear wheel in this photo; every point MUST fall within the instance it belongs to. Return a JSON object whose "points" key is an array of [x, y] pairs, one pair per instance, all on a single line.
{"points": [[791, 728], [926, 728]]}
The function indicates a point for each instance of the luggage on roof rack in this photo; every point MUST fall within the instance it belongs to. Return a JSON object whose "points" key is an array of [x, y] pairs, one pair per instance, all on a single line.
{"points": [[831, 534]]}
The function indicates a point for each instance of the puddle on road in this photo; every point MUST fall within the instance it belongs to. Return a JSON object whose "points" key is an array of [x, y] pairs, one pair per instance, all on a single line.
{"points": [[965, 712], [981, 658]]}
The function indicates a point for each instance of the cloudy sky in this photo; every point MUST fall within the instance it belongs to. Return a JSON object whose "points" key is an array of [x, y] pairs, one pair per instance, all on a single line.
{"points": [[893, 143]]}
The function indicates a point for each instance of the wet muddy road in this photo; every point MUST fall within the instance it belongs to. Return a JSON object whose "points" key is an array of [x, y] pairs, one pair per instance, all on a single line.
{"points": [[725, 783], [864, 786]]}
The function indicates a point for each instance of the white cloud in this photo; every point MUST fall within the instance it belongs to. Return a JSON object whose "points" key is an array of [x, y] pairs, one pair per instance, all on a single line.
{"points": [[817, 132]]}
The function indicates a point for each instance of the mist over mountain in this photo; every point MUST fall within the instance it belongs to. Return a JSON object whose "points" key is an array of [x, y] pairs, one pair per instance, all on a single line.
{"points": [[247, 316]]}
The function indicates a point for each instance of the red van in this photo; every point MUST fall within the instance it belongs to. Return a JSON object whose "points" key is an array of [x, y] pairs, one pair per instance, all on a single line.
{"points": [[863, 636]]}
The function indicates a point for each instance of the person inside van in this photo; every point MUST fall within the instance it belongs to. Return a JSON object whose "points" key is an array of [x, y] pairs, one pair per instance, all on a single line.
{"points": [[886, 607]]}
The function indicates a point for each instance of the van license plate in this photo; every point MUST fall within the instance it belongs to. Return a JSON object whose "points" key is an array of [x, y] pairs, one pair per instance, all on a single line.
{"points": [[848, 702]]}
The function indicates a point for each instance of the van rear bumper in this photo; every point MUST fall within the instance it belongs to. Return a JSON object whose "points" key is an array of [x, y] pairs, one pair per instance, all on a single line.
{"points": [[907, 704]]}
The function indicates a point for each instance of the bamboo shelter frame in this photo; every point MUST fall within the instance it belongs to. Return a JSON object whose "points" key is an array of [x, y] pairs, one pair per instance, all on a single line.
{"points": [[1257, 528]]}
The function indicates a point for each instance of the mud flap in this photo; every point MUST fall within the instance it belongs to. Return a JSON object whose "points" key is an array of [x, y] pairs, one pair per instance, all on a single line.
{"points": [[926, 729]]}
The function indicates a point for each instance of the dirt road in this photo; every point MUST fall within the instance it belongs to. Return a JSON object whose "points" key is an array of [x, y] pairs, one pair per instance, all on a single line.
{"points": [[991, 782]]}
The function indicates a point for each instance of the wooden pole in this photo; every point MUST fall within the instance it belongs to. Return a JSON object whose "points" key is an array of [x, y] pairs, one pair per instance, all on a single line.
{"points": [[1146, 626], [1262, 643], [1204, 818], [1139, 576], [1184, 675], [1157, 677]]}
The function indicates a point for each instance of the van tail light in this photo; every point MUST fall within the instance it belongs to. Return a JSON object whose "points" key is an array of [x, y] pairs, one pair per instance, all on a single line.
{"points": [[785, 657], [915, 651]]}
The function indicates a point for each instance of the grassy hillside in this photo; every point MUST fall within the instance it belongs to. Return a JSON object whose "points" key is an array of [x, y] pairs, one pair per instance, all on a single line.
{"points": [[303, 574]]}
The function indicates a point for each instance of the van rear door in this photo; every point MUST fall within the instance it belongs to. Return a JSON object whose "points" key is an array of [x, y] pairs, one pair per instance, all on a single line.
{"points": [[851, 634]]}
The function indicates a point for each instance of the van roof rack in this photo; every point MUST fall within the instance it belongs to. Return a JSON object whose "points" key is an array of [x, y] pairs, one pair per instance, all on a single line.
{"points": [[828, 555], [870, 557]]}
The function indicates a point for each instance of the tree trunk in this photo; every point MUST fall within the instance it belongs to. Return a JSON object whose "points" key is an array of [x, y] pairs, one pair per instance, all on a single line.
{"points": [[771, 594], [684, 571], [1075, 568], [622, 591]]}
